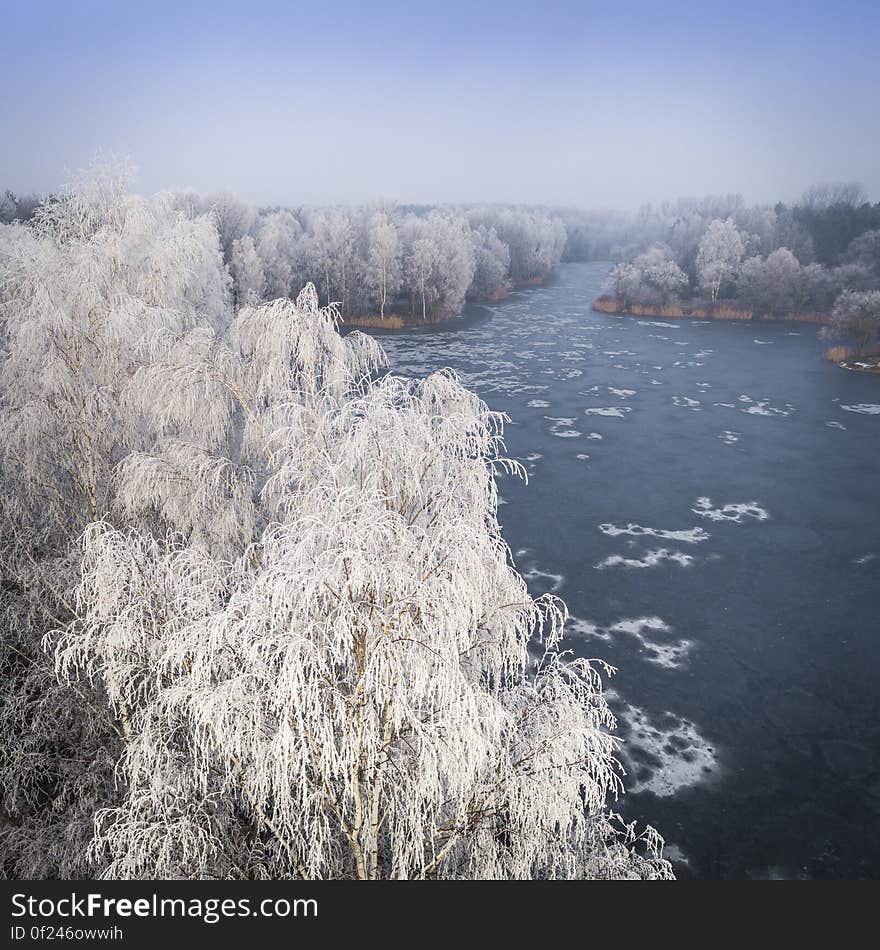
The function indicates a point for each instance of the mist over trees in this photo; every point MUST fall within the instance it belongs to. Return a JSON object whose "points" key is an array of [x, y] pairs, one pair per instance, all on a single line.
{"points": [[259, 620], [773, 261]]}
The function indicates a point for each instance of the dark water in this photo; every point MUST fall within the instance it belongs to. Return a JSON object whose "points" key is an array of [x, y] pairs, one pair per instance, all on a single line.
{"points": [[748, 652]]}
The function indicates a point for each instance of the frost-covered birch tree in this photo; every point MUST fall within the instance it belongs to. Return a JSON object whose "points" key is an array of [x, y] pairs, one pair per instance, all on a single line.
{"points": [[719, 255], [246, 269], [383, 265]]}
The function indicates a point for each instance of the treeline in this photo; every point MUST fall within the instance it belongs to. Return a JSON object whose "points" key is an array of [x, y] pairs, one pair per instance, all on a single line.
{"points": [[378, 261], [418, 264], [817, 229], [806, 260]]}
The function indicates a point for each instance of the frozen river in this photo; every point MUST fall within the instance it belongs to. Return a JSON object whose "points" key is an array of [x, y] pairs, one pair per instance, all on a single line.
{"points": [[706, 499]]}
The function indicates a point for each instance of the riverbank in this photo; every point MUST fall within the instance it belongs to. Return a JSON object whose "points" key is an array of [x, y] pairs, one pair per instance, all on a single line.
{"points": [[399, 321], [850, 359], [703, 311]]}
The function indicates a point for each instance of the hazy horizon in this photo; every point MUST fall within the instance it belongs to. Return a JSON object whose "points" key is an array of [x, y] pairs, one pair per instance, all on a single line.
{"points": [[566, 105]]}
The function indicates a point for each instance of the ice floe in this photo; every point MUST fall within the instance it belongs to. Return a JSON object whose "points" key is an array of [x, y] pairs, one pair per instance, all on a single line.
{"points": [[561, 427], [866, 408], [556, 580], [665, 752], [650, 559], [670, 654], [653, 635], [762, 407], [687, 535], [732, 512], [611, 411]]}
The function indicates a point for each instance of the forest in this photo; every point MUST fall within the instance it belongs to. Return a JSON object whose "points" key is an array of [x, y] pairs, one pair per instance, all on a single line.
{"points": [[818, 260], [414, 265]]}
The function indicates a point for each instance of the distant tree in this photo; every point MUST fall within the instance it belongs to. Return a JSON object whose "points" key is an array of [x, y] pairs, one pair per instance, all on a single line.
{"points": [[235, 220], [791, 233], [834, 194], [770, 285], [249, 281], [418, 263], [857, 315], [276, 240], [684, 235], [864, 251], [652, 278], [454, 261], [8, 207], [834, 216], [720, 252], [535, 240], [625, 280], [815, 289], [491, 262], [383, 262], [759, 227], [666, 278], [18, 207]]}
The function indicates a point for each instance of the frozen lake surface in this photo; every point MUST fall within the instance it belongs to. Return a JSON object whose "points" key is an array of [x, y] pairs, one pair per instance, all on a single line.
{"points": [[706, 499]]}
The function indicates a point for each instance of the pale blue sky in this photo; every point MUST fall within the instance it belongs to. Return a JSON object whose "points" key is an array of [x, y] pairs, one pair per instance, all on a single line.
{"points": [[581, 103]]}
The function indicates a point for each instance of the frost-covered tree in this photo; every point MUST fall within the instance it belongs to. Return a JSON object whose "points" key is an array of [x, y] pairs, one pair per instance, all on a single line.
{"points": [[491, 263], [18, 207], [382, 272], [248, 279], [720, 252], [666, 279], [276, 242], [98, 289], [234, 218], [438, 263], [454, 260], [351, 695], [535, 240], [857, 315], [652, 278], [418, 264], [771, 285], [864, 251]]}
